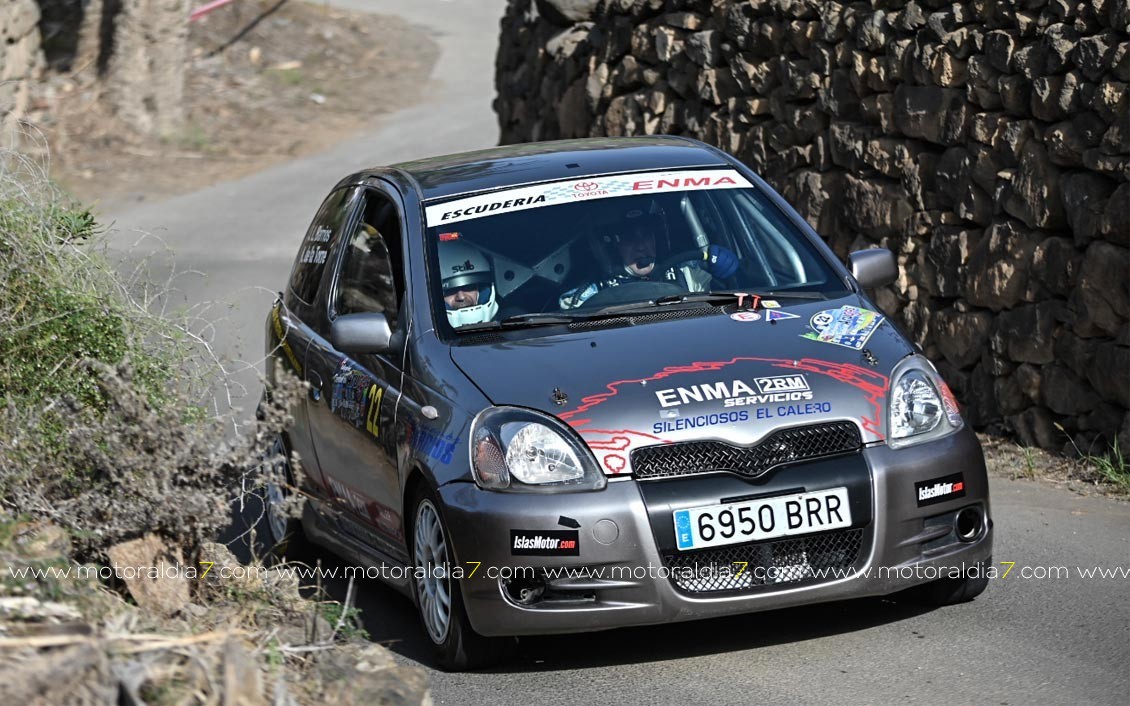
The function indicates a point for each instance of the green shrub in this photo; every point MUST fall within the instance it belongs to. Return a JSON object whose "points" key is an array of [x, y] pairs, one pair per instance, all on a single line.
{"points": [[102, 430]]}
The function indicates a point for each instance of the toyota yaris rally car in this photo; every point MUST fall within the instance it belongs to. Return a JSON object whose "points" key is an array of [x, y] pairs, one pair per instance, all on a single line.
{"points": [[572, 386]]}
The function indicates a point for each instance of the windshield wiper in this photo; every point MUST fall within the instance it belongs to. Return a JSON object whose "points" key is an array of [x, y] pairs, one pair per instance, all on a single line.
{"points": [[537, 318], [734, 296]]}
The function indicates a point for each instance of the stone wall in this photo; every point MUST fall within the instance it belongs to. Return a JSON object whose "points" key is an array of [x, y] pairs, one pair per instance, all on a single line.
{"points": [[136, 50], [21, 63], [985, 143]]}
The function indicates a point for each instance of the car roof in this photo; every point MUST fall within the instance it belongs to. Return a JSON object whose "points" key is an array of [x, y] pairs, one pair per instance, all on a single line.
{"points": [[511, 165]]}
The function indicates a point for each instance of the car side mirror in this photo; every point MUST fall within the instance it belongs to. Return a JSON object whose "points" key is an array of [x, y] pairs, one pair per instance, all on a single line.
{"points": [[873, 268], [360, 333]]}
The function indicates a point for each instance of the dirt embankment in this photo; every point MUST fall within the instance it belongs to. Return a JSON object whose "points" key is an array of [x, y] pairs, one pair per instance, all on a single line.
{"points": [[267, 82]]}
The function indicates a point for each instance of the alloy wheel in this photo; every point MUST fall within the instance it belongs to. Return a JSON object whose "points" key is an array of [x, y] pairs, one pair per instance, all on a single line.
{"points": [[433, 585]]}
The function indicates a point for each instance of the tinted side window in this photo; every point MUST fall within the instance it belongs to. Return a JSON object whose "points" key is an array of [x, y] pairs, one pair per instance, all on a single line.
{"points": [[312, 256], [371, 274]]}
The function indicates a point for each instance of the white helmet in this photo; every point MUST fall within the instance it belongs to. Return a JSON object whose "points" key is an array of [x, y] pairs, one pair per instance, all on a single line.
{"points": [[462, 265]]}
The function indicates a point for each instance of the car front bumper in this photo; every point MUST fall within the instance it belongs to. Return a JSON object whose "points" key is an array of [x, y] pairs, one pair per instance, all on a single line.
{"points": [[625, 541]]}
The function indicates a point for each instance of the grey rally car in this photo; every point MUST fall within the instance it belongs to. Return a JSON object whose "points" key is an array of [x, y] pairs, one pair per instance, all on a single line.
{"points": [[573, 386]]}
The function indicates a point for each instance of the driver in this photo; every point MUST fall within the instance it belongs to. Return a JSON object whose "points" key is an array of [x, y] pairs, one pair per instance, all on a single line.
{"points": [[635, 254], [468, 283]]}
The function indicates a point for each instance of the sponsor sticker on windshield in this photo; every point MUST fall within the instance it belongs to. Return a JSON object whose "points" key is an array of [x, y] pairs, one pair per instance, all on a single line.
{"points": [[572, 190]]}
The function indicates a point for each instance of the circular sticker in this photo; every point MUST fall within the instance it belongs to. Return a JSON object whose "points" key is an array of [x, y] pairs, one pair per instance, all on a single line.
{"points": [[745, 316], [821, 319]]}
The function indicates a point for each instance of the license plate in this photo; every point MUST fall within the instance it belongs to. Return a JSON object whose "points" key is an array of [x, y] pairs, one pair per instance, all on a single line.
{"points": [[764, 518]]}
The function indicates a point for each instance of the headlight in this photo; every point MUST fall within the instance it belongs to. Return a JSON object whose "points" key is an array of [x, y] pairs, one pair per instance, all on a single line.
{"points": [[525, 451], [921, 406]]}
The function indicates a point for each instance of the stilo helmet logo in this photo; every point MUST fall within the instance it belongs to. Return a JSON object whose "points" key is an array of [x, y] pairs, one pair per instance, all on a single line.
{"points": [[465, 267]]}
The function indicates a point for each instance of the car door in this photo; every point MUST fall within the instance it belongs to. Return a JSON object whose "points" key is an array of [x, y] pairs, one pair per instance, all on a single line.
{"points": [[290, 327], [352, 423]]}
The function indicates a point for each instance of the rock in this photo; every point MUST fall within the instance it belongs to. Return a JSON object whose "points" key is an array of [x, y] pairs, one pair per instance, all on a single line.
{"points": [[1116, 217], [840, 99], [879, 108], [1124, 434], [873, 33], [1116, 140], [799, 78], [961, 337], [815, 195], [1076, 353], [683, 20], [623, 117], [987, 128], [962, 42], [876, 207], [241, 677], [938, 115], [1055, 262], [564, 44], [1111, 101], [765, 38], [573, 115], [998, 267], [1101, 301], [982, 408], [564, 12], [1094, 55], [704, 48], [947, 70], [1033, 195], [1027, 378], [1110, 373], [1120, 62], [153, 573], [1085, 197], [1055, 97], [1027, 333], [1015, 94], [847, 141], [1036, 427], [1000, 45], [716, 86], [1105, 420], [1058, 42], [668, 43], [944, 258], [954, 172], [1010, 397], [1065, 393], [360, 676]]}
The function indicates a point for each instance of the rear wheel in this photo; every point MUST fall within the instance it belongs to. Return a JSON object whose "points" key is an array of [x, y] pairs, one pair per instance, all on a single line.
{"points": [[439, 600]]}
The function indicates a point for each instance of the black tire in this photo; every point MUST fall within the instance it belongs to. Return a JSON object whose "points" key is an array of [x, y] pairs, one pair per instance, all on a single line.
{"points": [[276, 532], [456, 645], [950, 591]]}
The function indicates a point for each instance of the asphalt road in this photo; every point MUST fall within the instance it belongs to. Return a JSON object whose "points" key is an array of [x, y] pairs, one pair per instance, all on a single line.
{"points": [[1026, 640]]}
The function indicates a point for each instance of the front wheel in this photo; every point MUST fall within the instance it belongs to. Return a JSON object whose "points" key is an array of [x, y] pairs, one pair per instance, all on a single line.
{"points": [[438, 597], [278, 526]]}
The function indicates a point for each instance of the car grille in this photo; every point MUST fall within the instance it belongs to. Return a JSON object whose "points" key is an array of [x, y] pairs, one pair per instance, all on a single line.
{"points": [[779, 448], [813, 559]]}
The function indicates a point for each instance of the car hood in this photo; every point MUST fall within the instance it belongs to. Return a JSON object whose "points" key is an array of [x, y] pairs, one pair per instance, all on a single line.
{"points": [[708, 377]]}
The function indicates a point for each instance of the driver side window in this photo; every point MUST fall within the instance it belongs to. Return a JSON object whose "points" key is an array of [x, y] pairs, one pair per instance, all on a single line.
{"points": [[371, 278]]}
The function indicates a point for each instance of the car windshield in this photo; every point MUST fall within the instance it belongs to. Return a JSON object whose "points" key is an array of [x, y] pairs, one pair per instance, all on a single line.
{"points": [[555, 252]]}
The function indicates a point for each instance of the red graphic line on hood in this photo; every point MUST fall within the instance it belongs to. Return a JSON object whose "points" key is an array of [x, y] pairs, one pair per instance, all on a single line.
{"points": [[619, 439], [872, 384]]}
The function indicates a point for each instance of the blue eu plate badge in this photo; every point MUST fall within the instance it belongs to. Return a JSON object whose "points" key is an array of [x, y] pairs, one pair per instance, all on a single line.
{"points": [[683, 529]]}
